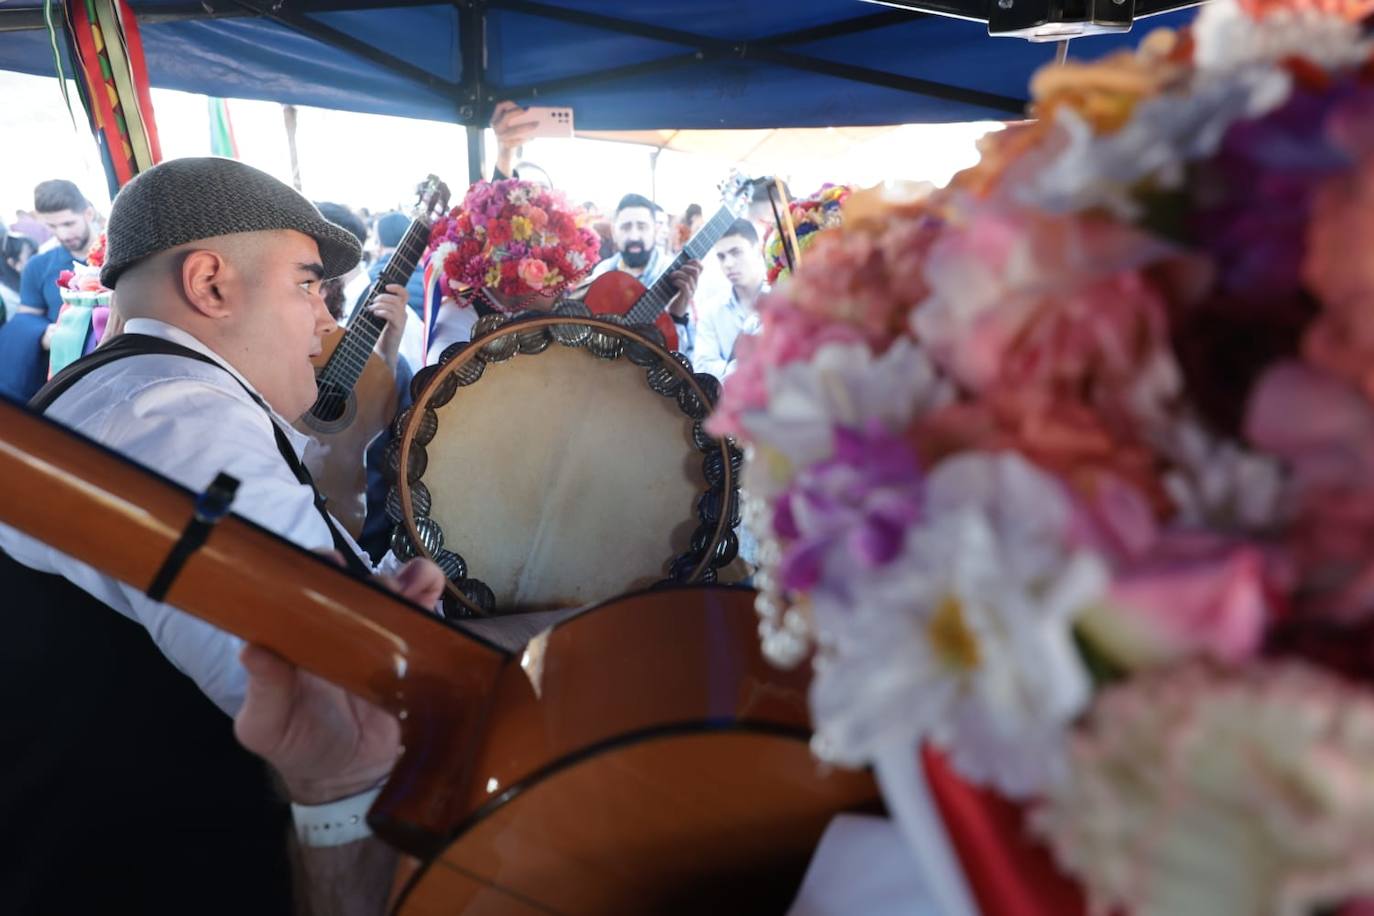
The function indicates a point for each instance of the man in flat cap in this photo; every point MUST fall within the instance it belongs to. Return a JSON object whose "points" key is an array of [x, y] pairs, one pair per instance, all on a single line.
{"points": [[125, 790]]}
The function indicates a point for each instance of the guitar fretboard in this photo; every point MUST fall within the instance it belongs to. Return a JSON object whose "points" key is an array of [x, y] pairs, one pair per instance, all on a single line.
{"points": [[657, 297], [345, 365]]}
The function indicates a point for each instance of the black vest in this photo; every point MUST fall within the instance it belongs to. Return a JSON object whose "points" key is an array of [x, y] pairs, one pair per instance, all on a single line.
{"points": [[122, 788]]}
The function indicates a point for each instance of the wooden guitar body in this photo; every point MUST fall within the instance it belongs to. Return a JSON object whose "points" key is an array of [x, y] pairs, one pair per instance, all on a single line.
{"points": [[336, 458], [643, 758], [616, 292]]}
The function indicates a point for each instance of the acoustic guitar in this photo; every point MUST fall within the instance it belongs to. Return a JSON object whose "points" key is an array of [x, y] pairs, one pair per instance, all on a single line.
{"points": [[639, 757], [357, 390], [618, 293]]}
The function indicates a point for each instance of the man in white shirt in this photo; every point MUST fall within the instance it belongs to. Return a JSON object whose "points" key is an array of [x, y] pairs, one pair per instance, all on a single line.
{"points": [[741, 260], [221, 296]]}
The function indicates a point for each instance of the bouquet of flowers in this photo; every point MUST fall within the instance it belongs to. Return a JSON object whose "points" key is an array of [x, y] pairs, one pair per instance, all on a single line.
{"points": [[1066, 471], [515, 237], [810, 216], [85, 310]]}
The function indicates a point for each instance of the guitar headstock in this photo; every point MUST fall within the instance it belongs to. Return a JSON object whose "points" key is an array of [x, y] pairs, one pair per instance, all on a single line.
{"points": [[433, 198], [736, 192]]}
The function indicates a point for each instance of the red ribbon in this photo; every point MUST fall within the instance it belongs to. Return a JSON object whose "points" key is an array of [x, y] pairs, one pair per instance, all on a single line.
{"points": [[1008, 870]]}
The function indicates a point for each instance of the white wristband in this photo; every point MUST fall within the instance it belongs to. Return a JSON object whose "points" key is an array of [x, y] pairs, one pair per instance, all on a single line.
{"points": [[334, 823]]}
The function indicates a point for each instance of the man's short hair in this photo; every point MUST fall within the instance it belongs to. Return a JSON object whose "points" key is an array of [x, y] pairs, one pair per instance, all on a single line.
{"points": [[635, 200], [340, 215], [57, 195], [744, 229]]}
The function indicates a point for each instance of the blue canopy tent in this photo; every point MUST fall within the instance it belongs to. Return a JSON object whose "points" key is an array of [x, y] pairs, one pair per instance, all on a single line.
{"points": [[687, 64]]}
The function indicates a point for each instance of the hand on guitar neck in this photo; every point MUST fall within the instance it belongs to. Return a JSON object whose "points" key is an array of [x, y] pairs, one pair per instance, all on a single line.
{"points": [[390, 306], [684, 279]]}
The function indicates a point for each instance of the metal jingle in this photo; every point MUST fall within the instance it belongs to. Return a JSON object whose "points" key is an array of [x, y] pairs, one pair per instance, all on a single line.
{"points": [[443, 392], [708, 506], [417, 462], [707, 577], [501, 348], [683, 567], [420, 502], [605, 345], [703, 440], [470, 371], [428, 426], [571, 335], [451, 352], [713, 466], [637, 352], [535, 340], [450, 608], [420, 380], [476, 591], [691, 404], [710, 385], [664, 381], [401, 545], [398, 425], [454, 566], [701, 539], [488, 323], [727, 548], [431, 535]]}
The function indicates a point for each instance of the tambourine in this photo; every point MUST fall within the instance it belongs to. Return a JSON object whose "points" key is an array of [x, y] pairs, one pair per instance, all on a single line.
{"points": [[557, 460]]}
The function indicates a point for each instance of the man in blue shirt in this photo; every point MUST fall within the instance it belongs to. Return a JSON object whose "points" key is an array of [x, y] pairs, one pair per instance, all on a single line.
{"points": [[741, 260], [61, 207]]}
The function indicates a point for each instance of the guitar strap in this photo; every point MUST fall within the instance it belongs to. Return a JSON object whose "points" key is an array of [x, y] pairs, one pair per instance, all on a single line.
{"points": [[126, 345]]}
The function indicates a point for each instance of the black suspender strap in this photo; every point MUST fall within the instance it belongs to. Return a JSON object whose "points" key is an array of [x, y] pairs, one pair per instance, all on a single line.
{"points": [[126, 345], [211, 506]]}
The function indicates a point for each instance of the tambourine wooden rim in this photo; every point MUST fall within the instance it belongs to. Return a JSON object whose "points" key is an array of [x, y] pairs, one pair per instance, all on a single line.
{"points": [[455, 370]]}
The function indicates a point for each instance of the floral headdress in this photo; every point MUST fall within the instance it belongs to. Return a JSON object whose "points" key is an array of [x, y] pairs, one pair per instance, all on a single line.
{"points": [[1067, 470], [516, 237], [810, 216]]}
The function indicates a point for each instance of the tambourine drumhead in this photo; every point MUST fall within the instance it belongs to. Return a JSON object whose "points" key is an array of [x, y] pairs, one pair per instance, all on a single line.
{"points": [[561, 477]]}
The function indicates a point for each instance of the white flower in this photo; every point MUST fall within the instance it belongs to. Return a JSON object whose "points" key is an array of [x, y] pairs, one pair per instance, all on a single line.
{"points": [[442, 252], [1229, 39], [841, 385], [1090, 171], [1197, 791], [519, 196], [965, 639], [576, 260]]}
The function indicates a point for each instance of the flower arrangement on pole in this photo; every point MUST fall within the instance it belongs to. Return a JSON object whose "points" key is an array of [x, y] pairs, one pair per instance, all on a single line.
{"points": [[1065, 472]]}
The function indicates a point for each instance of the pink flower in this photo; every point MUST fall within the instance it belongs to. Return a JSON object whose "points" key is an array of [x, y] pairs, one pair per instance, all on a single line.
{"points": [[1324, 430], [868, 280], [1053, 304], [1175, 593], [533, 272]]}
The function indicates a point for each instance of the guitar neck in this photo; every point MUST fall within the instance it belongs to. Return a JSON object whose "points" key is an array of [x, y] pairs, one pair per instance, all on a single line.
{"points": [[346, 365], [657, 297]]}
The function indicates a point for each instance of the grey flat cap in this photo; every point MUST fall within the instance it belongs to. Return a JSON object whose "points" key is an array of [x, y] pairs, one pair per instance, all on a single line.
{"points": [[186, 200]]}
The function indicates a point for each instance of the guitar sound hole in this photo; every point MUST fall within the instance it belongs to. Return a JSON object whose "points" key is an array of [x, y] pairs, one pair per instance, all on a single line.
{"points": [[331, 403]]}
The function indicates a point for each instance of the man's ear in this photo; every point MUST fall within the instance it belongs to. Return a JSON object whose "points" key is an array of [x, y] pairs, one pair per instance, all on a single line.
{"points": [[204, 273]]}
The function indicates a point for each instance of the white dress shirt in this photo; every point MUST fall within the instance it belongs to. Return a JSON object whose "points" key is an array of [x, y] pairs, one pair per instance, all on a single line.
{"points": [[188, 421], [718, 330]]}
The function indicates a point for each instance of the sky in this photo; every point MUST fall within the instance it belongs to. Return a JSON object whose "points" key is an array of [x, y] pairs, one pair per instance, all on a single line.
{"points": [[376, 162]]}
